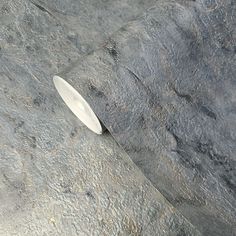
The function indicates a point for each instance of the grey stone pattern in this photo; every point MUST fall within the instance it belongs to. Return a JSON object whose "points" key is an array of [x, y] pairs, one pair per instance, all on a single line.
{"points": [[57, 177], [164, 86]]}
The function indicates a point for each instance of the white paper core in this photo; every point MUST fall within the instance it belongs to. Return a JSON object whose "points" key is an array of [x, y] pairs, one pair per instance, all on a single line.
{"points": [[77, 104]]}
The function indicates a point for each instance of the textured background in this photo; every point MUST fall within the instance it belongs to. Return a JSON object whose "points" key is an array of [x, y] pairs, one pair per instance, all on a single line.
{"points": [[56, 177]]}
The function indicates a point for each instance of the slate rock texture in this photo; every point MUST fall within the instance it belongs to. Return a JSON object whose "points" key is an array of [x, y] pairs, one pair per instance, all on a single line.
{"points": [[164, 86], [57, 177]]}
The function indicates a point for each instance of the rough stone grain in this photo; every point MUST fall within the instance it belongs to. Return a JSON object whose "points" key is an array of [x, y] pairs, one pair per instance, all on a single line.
{"points": [[56, 177]]}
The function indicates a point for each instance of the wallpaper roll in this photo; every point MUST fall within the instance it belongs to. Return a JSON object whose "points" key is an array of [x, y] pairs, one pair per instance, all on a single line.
{"points": [[164, 86]]}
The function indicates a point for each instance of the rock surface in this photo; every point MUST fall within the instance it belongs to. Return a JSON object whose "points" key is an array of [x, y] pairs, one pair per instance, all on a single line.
{"points": [[56, 177]]}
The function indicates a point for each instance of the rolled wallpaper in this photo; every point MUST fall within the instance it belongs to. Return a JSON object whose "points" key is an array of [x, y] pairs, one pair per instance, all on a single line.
{"points": [[164, 86]]}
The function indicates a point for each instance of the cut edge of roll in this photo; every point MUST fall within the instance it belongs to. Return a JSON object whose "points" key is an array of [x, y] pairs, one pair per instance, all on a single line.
{"points": [[77, 104]]}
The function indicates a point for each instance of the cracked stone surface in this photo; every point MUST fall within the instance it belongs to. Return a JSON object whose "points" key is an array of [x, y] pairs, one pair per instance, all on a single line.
{"points": [[56, 177]]}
